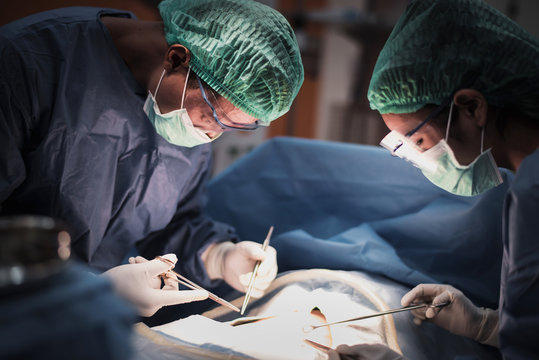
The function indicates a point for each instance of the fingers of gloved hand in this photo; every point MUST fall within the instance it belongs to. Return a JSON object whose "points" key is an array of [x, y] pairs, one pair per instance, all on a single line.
{"points": [[259, 286], [416, 295], [419, 313], [267, 271], [239, 262], [444, 297], [157, 267], [344, 349], [431, 312], [171, 257], [169, 281], [423, 293], [137, 260], [155, 282], [251, 250], [333, 355], [261, 282], [166, 297], [268, 266], [340, 353], [346, 352], [460, 317], [256, 293]]}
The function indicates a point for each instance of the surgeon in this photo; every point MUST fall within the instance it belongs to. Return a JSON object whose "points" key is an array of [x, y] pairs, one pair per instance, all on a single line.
{"points": [[457, 83], [106, 123]]}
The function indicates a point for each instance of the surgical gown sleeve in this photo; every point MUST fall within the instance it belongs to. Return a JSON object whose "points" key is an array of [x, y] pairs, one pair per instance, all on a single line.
{"points": [[75, 144], [519, 303], [190, 231], [13, 132]]}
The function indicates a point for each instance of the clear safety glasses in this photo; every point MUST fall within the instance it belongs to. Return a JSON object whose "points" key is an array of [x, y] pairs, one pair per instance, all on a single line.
{"points": [[235, 126], [402, 146]]}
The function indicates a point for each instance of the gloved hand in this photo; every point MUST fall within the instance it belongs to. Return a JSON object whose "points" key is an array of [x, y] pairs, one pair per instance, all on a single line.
{"points": [[461, 316], [363, 352], [235, 263], [140, 283]]}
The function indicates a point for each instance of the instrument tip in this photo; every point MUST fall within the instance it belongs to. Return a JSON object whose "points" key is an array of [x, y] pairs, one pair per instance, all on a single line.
{"points": [[308, 329]]}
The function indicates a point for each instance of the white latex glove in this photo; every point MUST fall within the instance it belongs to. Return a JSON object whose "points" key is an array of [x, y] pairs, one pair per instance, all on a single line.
{"points": [[140, 283], [235, 263], [461, 316], [363, 352]]}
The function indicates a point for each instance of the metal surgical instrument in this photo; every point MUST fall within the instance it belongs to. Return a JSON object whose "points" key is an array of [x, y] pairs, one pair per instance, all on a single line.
{"points": [[255, 271], [191, 285], [387, 312]]}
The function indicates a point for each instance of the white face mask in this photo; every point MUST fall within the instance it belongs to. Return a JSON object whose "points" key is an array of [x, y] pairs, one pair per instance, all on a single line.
{"points": [[440, 166], [480, 175], [176, 126]]}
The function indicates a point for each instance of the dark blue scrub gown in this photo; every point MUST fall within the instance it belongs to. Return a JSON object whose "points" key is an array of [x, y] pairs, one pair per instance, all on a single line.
{"points": [[519, 304], [76, 145]]}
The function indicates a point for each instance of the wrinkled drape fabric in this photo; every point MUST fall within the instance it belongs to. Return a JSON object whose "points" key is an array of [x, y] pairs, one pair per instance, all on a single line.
{"points": [[355, 207]]}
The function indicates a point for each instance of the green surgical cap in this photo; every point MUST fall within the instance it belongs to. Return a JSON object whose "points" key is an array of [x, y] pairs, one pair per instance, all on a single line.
{"points": [[440, 46], [244, 50]]}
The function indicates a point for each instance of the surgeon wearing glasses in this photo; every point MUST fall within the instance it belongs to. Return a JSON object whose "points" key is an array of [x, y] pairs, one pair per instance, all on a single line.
{"points": [[198, 102], [106, 122], [457, 83]]}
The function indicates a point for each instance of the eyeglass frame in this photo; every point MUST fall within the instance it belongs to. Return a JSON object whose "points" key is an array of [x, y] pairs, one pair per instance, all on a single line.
{"points": [[429, 117], [242, 127], [473, 76]]}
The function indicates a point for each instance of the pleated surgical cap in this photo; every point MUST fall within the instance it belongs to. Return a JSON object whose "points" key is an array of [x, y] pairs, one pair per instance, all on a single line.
{"points": [[440, 46], [244, 50]]}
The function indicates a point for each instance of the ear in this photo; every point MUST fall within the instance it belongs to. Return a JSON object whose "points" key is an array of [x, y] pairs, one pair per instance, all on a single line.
{"points": [[177, 58], [471, 103]]}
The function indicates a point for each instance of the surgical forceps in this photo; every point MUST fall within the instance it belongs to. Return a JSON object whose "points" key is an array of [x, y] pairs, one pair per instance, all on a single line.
{"points": [[387, 312], [191, 285], [255, 271]]}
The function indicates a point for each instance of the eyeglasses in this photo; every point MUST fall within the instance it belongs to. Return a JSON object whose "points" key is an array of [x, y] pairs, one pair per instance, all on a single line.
{"points": [[472, 78], [429, 117], [407, 149], [235, 126]]}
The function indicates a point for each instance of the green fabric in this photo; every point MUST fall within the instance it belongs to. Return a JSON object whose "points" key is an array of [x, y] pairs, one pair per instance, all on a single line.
{"points": [[440, 46], [244, 50]]}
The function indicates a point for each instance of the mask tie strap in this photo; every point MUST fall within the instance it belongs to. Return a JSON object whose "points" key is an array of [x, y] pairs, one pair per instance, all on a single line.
{"points": [[482, 138], [185, 86], [449, 121], [159, 83]]}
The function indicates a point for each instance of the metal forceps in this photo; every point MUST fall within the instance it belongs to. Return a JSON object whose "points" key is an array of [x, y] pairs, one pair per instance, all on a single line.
{"points": [[406, 308], [191, 285], [255, 271]]}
